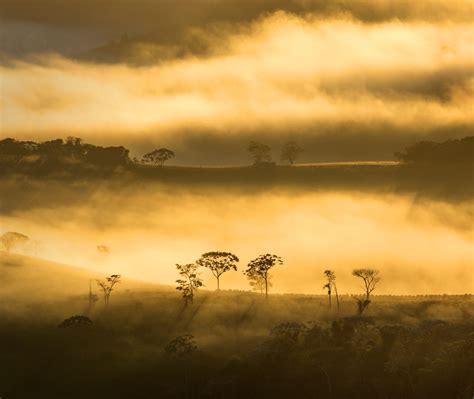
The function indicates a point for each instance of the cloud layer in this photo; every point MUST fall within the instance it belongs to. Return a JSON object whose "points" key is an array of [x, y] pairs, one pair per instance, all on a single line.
{"points": [[281, 75]]}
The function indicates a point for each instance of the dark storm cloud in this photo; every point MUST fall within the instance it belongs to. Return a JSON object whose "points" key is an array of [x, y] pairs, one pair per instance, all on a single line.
{"points": [[172, 15], [167, 22]]}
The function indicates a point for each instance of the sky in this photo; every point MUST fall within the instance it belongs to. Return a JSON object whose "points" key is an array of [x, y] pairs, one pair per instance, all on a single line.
{"points": [[348, 80]]}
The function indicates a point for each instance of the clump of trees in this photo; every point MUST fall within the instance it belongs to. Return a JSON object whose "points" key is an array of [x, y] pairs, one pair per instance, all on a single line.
{"points": [[11, 240], [76, 321], [430, 152], [107, 286], [218, 263], [258, 273], [261, 153], [71, 153], [158, 156], [189, 281], [259, 268]]}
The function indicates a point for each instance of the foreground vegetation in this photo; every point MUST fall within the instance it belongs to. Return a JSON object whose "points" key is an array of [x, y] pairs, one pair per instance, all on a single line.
{"points": [[236, 345], [147, 343]]}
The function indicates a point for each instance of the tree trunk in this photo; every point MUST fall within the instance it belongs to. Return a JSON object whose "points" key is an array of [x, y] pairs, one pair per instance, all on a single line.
{"points": [[337, 297], [266, 288], [218, 284], [329, 297]]}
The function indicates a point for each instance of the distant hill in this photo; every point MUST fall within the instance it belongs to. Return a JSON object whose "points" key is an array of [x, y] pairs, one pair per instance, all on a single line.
{"points": [[32, 279]]}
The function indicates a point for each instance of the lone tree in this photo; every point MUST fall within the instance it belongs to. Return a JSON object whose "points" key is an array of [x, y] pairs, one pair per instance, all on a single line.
{"points": [[260, 267], [158, 157], [218, 263], [107, 286], [331, 283], [290, 152], [11, 239], [189, 282], [259, 152], [370, 277]]}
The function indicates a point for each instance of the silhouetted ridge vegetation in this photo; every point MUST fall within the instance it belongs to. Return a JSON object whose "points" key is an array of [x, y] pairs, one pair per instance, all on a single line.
{"points": [[430, 152], [57, 155], [434, 169]]}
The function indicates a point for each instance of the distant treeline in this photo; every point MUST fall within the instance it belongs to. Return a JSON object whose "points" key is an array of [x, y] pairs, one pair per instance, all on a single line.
{"points": [[55, 155], [73, 155], [430, 152]]}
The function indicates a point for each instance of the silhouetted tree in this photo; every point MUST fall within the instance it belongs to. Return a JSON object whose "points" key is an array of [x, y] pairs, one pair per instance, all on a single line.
{"points": [[218, 263], [74, 141], [261, 266], [75, 321], [182, 348], [259, 152], [93, 298], [12, 239], [330, 279], [370, 277], [331, 283], [107, 286], [258, 283], [459, 151], [190, 281], [158, 157], [290, 152]]}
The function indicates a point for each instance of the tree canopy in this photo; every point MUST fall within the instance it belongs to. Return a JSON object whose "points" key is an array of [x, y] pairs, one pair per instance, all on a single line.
{"points": [[259, 152], [430, 152], [158, 157], [218, 263], [12, 239], [260, 267]]}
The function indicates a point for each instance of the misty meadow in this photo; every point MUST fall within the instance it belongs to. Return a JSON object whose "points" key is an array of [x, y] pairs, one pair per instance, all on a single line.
{"points": [[236, 199]]}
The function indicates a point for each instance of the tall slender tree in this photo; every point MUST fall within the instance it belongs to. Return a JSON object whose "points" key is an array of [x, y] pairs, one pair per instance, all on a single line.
{"points": [[107, 286], [328, 286], [331, 283], [261, 266]]}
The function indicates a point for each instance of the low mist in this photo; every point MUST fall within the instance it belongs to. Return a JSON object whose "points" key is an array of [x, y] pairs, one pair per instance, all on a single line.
{"points": [[419, 245]]}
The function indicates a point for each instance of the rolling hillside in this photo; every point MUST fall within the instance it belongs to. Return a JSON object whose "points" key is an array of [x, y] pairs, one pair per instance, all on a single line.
{"points": [[27, 279]]}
